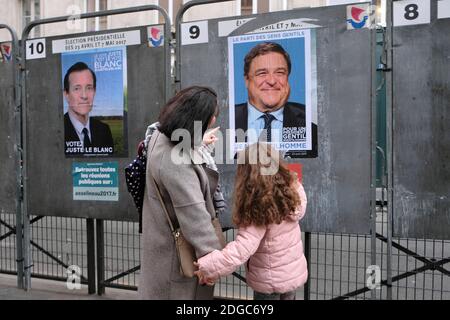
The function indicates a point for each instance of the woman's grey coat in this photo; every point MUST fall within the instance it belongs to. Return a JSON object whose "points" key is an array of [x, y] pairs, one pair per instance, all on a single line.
{"points": [[187, 192]]}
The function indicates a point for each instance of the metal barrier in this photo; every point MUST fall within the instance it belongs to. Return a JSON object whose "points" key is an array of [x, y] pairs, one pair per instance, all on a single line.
{"points": [[113, 243], [338, 263], [9, 248]]}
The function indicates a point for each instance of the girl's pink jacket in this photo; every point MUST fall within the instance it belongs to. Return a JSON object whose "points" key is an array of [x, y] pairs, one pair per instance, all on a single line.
{"points": [[274, 255]]}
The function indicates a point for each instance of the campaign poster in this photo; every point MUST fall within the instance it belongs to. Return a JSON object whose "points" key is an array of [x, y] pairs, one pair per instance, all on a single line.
{"points": [[94, 87], [273, 91]]}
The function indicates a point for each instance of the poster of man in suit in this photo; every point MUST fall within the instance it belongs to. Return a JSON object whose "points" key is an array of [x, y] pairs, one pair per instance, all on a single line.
{"points": [[94, 86], [272, 91]]}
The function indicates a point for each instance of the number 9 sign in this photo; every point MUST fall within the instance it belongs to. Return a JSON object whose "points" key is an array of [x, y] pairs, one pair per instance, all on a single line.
{"points": [[194, 32]]}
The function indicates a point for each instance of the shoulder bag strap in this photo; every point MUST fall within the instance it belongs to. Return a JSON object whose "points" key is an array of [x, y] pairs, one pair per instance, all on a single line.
{"points": [[172, 229]]}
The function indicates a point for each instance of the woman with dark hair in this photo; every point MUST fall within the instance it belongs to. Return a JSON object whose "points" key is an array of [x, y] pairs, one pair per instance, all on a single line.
{"points": [[187, 192], [188, 106]]}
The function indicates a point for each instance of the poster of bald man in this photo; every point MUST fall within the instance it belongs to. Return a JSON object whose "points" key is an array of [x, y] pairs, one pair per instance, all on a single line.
{"points": [[272, 91], [94, 86]]}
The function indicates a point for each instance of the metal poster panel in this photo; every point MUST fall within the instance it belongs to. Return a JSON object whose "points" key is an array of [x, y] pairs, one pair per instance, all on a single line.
{"points": [[421, 122], [329, 140], [8, 133], [89, 102]]}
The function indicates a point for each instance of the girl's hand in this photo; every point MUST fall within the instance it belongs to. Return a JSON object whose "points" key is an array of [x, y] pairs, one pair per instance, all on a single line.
{"points": [[202, 280]]}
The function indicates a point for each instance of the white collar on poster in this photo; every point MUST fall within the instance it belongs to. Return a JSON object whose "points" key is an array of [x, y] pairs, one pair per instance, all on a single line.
{"points": [[255, 120], [79, 127]]}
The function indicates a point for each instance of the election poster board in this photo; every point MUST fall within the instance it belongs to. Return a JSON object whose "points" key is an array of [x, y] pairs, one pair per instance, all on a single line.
{"points": [[278, 83], [66, 174], [332, 76], [420, 178]]}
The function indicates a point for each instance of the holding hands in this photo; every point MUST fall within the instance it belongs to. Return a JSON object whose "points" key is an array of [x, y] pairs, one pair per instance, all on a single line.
{"points": [[201, 277]]}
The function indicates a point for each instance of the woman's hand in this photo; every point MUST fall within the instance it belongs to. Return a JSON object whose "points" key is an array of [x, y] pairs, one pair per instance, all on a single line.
{"points": [[209, 136], [201, 277]]}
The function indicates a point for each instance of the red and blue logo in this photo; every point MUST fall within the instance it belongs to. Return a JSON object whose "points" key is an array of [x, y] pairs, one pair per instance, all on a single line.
{"points": [[156, 36], [6, 51], [357, 16]]}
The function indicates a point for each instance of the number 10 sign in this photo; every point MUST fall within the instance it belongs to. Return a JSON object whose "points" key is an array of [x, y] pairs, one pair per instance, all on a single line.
{"points": [[35, 49]]}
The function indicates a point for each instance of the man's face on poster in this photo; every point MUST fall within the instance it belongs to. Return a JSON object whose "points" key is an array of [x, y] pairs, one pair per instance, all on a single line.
{"points": [[81, 93], [267, 82]]}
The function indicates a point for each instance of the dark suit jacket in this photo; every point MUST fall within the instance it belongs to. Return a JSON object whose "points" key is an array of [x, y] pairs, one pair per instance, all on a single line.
{"points": [[293, 116], [100, 133]]}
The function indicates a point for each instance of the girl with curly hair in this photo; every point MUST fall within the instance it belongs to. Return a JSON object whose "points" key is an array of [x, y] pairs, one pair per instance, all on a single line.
{"points": [[268, 205]]}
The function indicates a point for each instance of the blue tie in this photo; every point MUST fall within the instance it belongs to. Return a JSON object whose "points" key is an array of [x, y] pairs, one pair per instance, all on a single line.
{"points": [[268, 118]]}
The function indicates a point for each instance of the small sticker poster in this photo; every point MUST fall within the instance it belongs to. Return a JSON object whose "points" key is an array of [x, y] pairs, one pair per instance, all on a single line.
{"points": [[95, 181], [155, 35], [358, 16], [5, 51]]}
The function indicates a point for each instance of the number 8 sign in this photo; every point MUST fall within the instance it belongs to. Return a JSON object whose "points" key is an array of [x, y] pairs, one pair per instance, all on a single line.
{"points": [[411, 12]]}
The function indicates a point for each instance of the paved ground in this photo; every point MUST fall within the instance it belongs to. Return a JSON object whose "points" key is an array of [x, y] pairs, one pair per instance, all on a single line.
{"points": [[54, 290]]}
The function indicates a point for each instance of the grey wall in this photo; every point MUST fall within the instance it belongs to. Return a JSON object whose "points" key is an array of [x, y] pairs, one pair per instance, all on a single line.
{"points": [[9, 132], [49, 171], [337, 182], [421, 145]]}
